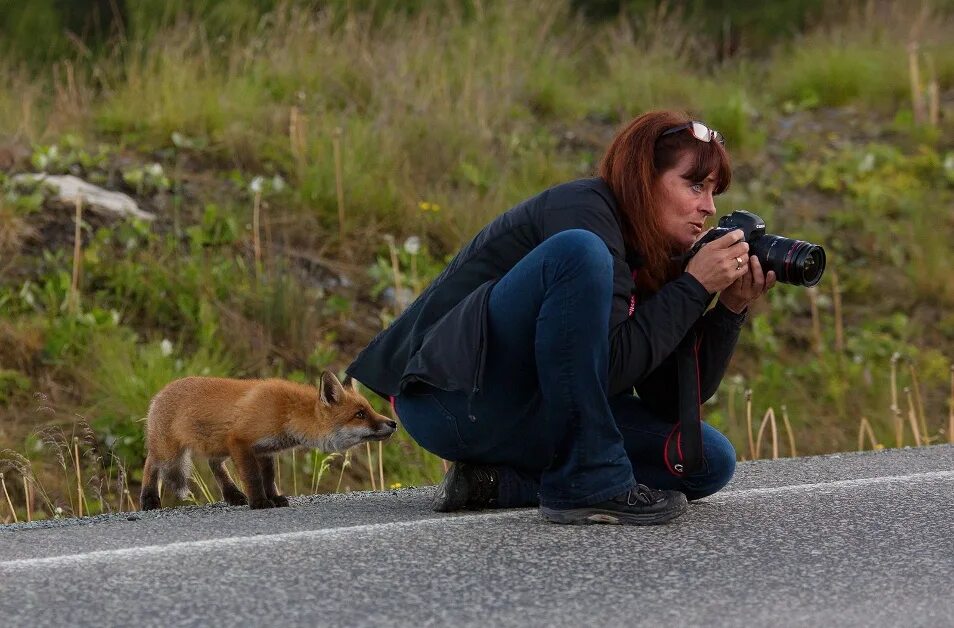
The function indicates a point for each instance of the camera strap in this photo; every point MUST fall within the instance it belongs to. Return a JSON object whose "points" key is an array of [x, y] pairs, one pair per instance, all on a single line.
{"points": [[682, 451]]}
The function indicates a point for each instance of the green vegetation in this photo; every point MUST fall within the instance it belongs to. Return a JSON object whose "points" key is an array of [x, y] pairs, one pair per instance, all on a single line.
{"points": [[250, 128]]}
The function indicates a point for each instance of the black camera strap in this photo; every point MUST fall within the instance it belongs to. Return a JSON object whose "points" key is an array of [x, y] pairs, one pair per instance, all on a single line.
{"points": [[682, 452]]}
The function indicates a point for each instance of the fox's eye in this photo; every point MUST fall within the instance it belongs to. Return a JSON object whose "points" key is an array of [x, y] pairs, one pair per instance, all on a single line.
{"points": [[360, 414]]}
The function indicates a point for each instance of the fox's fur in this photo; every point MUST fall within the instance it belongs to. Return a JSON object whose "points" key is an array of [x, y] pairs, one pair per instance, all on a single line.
{"points": [[248, 421]]}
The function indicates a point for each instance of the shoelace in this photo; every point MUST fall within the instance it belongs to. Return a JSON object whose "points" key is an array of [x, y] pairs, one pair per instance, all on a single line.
{"points": [[642, 494]]}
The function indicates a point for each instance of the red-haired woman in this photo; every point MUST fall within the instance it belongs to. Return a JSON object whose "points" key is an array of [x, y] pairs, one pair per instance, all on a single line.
{"points": [[521, 360]]}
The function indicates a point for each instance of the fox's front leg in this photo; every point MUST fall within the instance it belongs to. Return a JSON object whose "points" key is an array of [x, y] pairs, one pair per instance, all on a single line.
{"points": [[267, 464], [230, 493], [248, 469]]}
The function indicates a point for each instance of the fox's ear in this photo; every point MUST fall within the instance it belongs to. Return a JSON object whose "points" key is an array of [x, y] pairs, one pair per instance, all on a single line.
{"points": [[330, 390], [348, 382]]}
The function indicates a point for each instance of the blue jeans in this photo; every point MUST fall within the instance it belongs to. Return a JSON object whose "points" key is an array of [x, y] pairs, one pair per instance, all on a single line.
{"points": [[543, 416]]}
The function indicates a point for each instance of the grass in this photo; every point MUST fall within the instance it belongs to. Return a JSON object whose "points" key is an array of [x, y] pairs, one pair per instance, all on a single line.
{"points": [[428, 123], [864, 60]]}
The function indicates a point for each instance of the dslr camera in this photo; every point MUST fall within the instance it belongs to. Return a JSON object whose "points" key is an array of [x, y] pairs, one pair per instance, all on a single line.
{"points": [[795, 262]]}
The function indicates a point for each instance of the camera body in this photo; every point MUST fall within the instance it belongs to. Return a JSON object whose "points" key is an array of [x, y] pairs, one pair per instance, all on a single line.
{"points": [[795, 262]]}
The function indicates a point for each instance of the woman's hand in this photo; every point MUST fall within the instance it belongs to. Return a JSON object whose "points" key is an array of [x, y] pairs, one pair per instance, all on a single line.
{"points": [[720, 263], [747, 288]]}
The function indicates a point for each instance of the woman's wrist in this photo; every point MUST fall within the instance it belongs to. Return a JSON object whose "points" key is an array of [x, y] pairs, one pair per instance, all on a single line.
{"points": [[734, 307]]}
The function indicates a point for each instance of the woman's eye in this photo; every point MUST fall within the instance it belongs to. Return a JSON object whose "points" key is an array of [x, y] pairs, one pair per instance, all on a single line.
{"points": [[696, 187]]}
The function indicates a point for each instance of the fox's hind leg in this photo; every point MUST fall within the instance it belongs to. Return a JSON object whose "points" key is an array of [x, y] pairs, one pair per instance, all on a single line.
{"points": [[230, 492], [149, 497], [266, 463], [175, 474]]}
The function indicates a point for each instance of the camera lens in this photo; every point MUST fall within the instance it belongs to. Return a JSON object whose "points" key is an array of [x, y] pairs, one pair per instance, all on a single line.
{"points": [[811, 265], [795, 262]]}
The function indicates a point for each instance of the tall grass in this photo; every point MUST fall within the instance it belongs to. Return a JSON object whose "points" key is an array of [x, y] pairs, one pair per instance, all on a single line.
{"points": [[435, 105], [863, 60], [446, 105]]}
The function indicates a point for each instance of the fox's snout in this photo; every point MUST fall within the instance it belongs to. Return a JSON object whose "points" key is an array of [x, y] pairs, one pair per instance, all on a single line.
{"points": [[384, 429]]}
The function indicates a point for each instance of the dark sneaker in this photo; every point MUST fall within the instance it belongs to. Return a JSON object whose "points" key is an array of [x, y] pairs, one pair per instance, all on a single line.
{"points": [[467, 486], [639, 506]]}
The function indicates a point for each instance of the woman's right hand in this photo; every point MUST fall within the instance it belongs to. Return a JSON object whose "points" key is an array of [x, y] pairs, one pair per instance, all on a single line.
{"points": [[717, 264]]}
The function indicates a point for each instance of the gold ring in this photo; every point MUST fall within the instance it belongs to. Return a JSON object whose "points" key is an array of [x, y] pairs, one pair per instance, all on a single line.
{"points": [[738, 263]]}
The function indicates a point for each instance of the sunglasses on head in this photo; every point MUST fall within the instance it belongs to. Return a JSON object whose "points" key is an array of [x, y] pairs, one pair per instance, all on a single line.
{"points": [[699, 131]]}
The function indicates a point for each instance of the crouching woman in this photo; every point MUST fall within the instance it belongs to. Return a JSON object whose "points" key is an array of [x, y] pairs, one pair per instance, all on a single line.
{"points": [[562, 356]]}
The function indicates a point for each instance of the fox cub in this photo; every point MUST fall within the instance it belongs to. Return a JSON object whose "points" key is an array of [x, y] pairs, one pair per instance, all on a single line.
{"points": [[249, 420]]}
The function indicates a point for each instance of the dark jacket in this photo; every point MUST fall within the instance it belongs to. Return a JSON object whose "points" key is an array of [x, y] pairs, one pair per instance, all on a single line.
{"points": [[439, 339]]}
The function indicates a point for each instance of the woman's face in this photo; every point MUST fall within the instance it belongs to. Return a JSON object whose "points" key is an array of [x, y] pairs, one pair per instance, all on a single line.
{"points": [[685, 204]]}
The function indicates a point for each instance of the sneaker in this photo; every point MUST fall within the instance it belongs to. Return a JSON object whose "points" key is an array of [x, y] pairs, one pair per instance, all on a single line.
{"points": [[639, 506], [467, 486]]}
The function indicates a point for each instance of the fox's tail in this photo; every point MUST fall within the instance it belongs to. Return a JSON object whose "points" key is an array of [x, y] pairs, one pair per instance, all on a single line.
{"points": [[166, 460], [174, 474]]}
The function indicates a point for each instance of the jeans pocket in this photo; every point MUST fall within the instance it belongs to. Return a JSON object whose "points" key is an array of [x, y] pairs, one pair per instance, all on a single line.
{"points": [[431, 424]]}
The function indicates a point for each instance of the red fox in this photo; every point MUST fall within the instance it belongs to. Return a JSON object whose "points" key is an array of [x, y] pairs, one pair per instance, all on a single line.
{"points": [[249, 420]]}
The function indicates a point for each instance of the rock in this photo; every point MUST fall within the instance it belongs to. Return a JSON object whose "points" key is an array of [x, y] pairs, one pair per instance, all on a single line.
{"points": [[70, 188]]}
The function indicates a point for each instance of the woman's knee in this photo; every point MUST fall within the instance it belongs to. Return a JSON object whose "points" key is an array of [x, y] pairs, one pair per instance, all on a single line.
{"points": [[578, 252], [719, 464], [581, 247]]}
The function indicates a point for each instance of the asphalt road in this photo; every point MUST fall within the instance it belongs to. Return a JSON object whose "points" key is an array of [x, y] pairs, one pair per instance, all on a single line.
{"points": [[847, 540]]}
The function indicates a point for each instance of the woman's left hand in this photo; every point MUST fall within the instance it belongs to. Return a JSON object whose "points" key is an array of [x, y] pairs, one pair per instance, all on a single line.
{"points": [[748, 287]]}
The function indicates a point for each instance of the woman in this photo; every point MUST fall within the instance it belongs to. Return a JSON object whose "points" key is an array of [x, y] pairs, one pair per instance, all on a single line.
{"points": [[521, 359]]}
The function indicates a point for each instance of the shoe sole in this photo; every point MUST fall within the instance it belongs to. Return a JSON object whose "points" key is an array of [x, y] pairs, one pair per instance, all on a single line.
{"points": [[588, 516]]}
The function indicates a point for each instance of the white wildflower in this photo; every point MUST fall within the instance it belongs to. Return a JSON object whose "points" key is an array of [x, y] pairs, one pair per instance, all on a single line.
{"points": [[165, 347], [413, 245], [257, 184], [867, 163]]}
